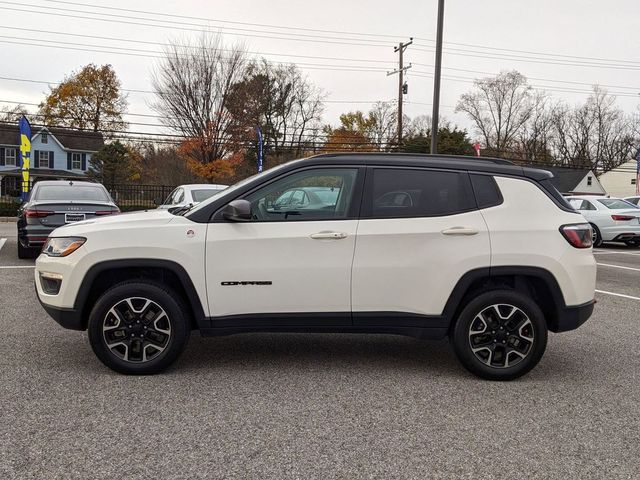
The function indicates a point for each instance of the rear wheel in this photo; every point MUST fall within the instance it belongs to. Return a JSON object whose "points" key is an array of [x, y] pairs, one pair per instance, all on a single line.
{"points": [[596, 236], [500, 335], [138, 327]]}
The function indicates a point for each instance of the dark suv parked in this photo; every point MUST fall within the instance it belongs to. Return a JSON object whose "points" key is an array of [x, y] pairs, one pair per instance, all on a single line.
{"points": [[52, 204]]}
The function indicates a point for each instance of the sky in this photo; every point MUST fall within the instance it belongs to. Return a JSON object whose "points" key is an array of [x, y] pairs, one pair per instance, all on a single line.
{"points": [[344, 47]]}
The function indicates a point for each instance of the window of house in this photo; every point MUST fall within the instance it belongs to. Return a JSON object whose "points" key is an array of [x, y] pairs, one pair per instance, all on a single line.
{"points": [[43, 159], [44, 138], [10, 157], [76, 161], [634, 181], [589, 181]]}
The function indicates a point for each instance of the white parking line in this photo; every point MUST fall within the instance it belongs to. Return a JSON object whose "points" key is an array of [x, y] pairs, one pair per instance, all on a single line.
{"points": [[616, 252], [2, 242], [618, 266], [17, 266], [618, 295]]}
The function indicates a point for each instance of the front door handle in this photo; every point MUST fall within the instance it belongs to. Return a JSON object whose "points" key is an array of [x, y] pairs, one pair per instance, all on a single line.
{"points": [[459, 231], [328, 235]]}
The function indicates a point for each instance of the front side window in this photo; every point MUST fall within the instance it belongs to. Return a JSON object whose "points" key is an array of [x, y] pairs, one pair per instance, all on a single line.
{"points": [[417, 193], [43, 159], [76, 161], [10, 157], [315, 194]]}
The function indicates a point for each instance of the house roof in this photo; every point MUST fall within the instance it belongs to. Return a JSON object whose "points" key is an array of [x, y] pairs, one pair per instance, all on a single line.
{"points": [[567, 179], [42, 173], [69, 138]]}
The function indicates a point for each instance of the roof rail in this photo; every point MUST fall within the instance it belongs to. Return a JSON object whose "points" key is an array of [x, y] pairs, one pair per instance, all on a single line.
{"points": [[497, 161]]}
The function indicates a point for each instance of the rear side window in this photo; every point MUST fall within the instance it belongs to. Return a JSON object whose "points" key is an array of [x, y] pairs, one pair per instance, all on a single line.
{"points": [[486, 191], [417, 193]]}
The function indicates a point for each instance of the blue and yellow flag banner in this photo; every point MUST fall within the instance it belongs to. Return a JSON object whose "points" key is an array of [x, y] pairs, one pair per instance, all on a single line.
{"points": [[25, 156]]}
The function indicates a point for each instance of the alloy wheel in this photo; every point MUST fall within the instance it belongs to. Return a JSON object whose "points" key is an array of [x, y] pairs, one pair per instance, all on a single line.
{"points": [[501, 336], [136, 329]]}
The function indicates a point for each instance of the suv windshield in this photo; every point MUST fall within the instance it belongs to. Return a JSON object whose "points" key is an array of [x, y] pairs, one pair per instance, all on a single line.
{"points": [[71, 193], [617, 204]]}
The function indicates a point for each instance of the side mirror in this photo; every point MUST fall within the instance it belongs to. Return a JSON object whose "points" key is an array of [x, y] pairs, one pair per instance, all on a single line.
{"points": [[237, 211]]}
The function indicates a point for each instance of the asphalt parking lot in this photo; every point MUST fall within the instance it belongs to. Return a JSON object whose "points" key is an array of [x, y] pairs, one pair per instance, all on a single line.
{"points": [[319, 406]]}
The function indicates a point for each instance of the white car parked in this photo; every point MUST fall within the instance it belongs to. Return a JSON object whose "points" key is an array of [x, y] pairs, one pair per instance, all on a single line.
{"points": [[481, 251], [612, 219], [193, 194]]}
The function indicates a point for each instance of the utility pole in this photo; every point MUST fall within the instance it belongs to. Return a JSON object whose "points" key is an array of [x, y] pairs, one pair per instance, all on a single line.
{"points": [[436, 80], [401, 86]]}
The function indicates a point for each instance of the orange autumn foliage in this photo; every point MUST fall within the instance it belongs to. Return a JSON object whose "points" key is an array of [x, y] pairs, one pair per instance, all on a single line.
{"points": [[196, 153]]}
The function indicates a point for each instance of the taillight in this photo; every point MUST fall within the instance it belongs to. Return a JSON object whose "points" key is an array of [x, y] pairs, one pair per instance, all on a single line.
{"points": [[622, 218], [30, 213], [579, 235], [107, 212]]}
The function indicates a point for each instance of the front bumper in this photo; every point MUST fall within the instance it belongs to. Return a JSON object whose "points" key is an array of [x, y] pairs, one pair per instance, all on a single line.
{"points": [[570, 318], [67, 317]]}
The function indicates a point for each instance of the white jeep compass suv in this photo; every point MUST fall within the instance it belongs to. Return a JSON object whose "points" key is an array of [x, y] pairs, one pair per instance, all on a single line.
{"points": [[480, 250]]}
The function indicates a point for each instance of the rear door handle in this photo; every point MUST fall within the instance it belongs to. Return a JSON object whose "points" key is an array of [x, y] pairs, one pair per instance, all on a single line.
{"points": [[328, 235], [459, 231]]}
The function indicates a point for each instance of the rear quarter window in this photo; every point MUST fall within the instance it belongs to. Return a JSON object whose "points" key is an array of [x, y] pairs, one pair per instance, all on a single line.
{"points": [[486, 190]]}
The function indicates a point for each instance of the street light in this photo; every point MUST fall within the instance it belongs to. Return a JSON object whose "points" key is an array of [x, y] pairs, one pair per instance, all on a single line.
{"points": [[436, 80]]}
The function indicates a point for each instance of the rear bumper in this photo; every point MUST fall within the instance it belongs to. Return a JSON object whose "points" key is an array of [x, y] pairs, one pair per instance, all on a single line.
{"points": [[572, 317], [33, 236]]}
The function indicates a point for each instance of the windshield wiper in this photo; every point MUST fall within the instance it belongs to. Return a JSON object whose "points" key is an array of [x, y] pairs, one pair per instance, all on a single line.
{"points": [[181, 210]]}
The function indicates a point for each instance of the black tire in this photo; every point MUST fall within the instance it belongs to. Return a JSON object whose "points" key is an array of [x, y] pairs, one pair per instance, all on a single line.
{"points": [[505, 341], [597, 237], [137, 334], [26, 252]]}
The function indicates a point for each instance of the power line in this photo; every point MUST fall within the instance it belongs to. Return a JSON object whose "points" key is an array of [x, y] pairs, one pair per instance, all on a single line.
{"points": [[99, 37], [395, 37], [175, 27], [226, 21]]}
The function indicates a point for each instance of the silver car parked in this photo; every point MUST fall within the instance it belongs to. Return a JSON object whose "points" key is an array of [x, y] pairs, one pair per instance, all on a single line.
{"points": [[189, 195], [612, 219]]}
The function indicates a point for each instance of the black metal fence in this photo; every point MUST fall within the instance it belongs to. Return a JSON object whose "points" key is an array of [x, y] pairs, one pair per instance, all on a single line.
{"points": [[138, 197]]}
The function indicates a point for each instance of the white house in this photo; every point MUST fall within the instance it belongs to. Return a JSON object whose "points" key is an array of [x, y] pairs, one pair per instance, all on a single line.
{"points": [[576, 181], [621, 181]]}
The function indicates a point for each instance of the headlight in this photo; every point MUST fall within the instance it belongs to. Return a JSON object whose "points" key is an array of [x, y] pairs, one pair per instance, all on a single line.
{"points": [[62, 246]]}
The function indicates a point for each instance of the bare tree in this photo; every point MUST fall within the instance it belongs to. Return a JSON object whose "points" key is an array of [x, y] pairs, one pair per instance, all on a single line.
{"points": [[499, 107], [597, 134], [535, 138], [384, 129], [12, 114], [192, 87], [280, 100]]}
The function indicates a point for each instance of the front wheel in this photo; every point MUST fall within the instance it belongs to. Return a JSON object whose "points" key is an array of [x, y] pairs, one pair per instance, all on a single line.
{"points": [[633, 243], [500, 335], [138, 327]]}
